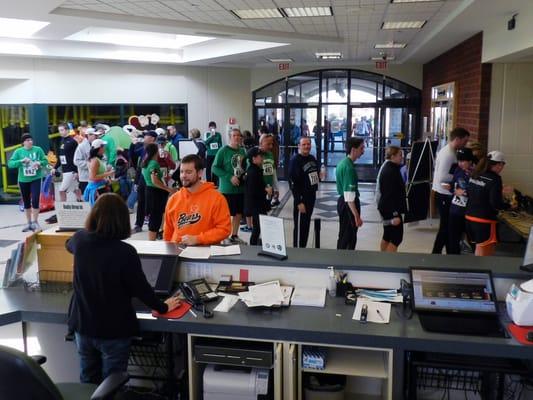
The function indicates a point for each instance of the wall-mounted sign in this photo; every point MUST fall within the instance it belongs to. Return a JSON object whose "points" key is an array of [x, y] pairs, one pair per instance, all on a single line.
{"points": [[381, 64], [284, 66]]}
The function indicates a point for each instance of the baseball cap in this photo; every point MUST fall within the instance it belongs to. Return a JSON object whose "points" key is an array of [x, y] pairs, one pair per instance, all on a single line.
{"points": [[92, 131], [254, 152], [465, 154], [160, 131], [161, 139], [103, 127], [496, 156], [97, 143], [151, 133]]}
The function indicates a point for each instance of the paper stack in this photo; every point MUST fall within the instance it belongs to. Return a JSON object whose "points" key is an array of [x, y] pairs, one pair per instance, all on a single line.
{"points": [[309, 296], [204, 252], [388, 295], [266, 294]]}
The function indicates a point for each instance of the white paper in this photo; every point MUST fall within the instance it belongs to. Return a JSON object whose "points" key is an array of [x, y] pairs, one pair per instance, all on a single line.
{"points": [[383, 317], [309, 296], [145, 316], [273, 235], [287, 293], [227, 303], [267, 294], [225, 250], [72, 214], [196, 252]]}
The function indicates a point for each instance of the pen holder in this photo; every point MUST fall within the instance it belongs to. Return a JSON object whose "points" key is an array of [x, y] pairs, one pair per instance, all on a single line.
{"points": [[342, 288]]}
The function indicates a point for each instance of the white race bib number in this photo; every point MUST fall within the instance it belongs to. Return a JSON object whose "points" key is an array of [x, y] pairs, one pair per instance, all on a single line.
{"points": [[63, 160], [313, 178], [459, 201], [268, 169], [29, 171], [213, 146]]}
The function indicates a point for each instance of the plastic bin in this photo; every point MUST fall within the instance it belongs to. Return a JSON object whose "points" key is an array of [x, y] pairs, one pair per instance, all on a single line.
{"points": [[324, 387]]}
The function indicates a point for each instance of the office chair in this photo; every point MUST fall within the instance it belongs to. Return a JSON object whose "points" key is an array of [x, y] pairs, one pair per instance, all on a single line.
{"points": [[23, 379]]}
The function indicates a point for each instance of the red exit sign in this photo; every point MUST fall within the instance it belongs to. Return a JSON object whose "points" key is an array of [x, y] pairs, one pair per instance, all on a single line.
{"points": [[284, 66], [382, 64]]}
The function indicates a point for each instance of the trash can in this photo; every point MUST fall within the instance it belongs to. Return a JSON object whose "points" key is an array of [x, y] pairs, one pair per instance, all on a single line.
{"points": [[324, 387]]}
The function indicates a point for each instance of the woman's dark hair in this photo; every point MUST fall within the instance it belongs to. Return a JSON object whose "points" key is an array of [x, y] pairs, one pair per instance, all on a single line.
{"points": [[94, 153], [151, 150], [25, 137], [109, 218]]}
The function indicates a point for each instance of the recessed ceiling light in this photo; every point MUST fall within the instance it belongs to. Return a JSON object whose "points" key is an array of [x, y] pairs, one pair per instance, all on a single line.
{"points": [[259, 13], [20, 28], [403, 24], [387, 58], [126, 37], [280, 60], [298, 12], [390, 45], [329, 56], [414, 1]]}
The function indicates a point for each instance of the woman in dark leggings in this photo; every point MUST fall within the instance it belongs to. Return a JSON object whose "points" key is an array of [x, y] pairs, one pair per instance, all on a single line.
{"points": [[29, 160], [156, 191]]}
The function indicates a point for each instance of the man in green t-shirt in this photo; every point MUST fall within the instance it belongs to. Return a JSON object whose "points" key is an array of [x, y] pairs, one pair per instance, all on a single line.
{"points": [[213, 143], [270, 176], [348, 205], [229, 167]]}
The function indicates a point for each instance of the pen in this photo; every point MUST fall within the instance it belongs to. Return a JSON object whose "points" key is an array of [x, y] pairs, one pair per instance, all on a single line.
{"points": [[380, 315], [193, 313]]}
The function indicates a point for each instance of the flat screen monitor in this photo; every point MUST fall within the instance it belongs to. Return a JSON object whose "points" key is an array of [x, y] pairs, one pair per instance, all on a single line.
{"points": [[186, 147], [160, 272], [453, 290]]}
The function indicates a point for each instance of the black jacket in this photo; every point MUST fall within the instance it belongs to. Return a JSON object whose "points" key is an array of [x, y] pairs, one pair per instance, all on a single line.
{"points": [[392, 188], [255, 202], [485, 196], [67, 148], [303, 178], [107, 275]]}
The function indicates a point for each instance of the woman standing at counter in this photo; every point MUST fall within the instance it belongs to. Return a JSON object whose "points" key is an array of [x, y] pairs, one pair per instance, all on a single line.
{"points": [[107, 274], [98, 172], [29, 160]]}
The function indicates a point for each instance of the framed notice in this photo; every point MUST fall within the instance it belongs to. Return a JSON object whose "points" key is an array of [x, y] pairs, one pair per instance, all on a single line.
{"points": [[273, 237], [71, 215]]}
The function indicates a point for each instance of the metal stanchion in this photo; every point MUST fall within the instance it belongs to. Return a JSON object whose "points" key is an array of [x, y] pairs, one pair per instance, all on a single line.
{"points": [[317, 232]]}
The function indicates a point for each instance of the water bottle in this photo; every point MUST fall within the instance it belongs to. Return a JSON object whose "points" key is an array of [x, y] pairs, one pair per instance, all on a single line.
{"points": [[332, 283]]}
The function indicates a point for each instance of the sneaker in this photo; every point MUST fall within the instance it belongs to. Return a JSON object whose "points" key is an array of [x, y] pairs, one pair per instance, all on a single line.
{"points": [[236, 240], [28, 228], [36, 227], [51, 220], [136, 229], [246, 229]]}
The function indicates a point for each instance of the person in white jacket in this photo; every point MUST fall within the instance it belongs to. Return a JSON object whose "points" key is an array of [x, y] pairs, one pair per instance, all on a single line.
{"points": [[81, 157]]}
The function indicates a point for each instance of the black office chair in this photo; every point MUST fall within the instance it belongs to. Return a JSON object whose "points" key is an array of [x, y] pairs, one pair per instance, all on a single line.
{"points": [[23, 379]]}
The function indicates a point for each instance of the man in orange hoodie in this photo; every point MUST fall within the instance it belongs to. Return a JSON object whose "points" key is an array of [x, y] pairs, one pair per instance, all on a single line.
{"points": [[197, 214]]}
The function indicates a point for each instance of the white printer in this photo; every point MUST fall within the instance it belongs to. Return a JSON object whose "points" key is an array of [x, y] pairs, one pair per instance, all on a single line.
{"points": [[227, 383], [519, 302]]}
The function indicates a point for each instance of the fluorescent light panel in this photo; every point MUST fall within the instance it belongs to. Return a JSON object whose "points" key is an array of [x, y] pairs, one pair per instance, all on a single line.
{"points": [[20, 28], [403, 24], [329, 56], [280, 60], [298, 12], [260, 13], [390, 45], [414, 1], [125, 37], [388, 58]]}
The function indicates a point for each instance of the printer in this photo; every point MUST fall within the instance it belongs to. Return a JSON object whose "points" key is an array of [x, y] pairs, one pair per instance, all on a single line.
{"points": [[234, 383], [519, 302]]}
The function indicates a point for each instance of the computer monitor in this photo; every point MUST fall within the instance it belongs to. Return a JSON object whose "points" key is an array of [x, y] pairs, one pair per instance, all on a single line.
{"points": [[160, 272], [447, 290]]}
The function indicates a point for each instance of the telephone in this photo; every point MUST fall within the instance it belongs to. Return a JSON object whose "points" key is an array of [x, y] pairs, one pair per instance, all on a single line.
{"points": [[198, 292]]}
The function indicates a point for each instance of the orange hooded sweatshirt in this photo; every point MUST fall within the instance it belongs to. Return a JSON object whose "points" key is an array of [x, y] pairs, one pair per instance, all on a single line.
{"points": [[204, 213]]}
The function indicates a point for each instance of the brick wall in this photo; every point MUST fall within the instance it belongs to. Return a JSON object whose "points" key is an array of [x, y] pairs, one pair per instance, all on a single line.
{"points": [[462, 64]]}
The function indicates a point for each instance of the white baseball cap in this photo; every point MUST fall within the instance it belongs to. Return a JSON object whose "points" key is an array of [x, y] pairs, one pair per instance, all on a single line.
{"points": [[97, 143], [496, 156]]}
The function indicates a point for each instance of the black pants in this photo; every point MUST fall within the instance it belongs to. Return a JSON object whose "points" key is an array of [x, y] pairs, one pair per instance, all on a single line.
{"points": [[31, 193], [209, 176], [443, 205], [82, 186], [347, 227], [156, 200], [141, 203], [301, 229], [456, 228], [256, 230]]}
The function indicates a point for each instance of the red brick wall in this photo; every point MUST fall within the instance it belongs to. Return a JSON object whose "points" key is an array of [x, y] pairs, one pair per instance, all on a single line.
{"points": [[462, 64]]}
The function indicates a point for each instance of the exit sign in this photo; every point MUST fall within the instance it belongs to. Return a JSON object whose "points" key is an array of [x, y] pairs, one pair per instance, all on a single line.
{"points": [[382, 64], [284, 66]]}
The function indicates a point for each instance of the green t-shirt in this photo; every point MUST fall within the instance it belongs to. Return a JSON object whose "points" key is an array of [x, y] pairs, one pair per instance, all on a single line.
{"points": [[229, 162], [346, 177], [147, 172], [213, 142], [110, 149], [172, 151], [28, 172], [269, 167]]}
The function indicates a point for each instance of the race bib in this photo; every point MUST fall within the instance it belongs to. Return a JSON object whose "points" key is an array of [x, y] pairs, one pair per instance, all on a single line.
{"points": [[313, 178], [213, 146], [29, 171], [268, 169], [459, 201], [63, 160]]}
